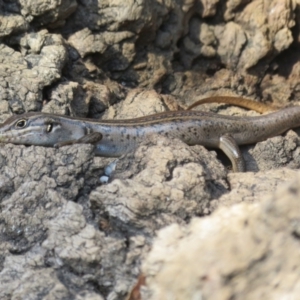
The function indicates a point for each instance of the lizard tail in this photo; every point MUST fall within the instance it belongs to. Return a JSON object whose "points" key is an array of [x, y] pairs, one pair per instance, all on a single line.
{"points": [[238, 101]]}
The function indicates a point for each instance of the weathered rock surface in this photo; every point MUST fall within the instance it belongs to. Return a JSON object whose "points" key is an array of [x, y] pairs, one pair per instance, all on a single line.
{"points": [[24, 74], [252, 188], [166, 182], [243, 252], [64, 234]]}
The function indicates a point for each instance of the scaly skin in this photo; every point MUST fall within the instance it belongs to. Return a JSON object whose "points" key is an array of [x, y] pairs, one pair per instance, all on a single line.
{"points": [[118, 137]]}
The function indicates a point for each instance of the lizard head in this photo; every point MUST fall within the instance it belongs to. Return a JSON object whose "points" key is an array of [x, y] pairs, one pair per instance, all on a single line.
{"points": [[38, 129]]}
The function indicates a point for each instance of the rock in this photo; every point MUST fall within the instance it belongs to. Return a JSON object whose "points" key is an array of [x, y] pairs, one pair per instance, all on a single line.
{"points": [[66, 98], [137, 103], [253, 187], [235, 253], [274, 153], [154, 187], [278, 21], [12, 24], [54, 12], [27, 74], [64, 233], [232, 40]]}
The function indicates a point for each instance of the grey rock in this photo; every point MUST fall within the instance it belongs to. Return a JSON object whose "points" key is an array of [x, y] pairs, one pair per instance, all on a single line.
{"points": [[63, 234], [27, 74], [162, 182], [235, 253]]}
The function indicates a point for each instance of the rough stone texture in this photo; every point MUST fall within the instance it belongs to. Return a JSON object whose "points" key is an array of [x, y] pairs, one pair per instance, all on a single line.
{"points": [[243, 252], [249, 187], [45, 235], [134, 105], [52, 13], [166, 182], [24, 74], [66, 236], [68, 98], [276, 152], [170, 45]]}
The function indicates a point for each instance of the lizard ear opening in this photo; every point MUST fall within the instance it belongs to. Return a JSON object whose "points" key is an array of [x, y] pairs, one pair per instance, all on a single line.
{"points": [[50, 123], [49, 127]]}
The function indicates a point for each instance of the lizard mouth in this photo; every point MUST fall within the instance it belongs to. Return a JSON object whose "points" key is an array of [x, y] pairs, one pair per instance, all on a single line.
{"points": [[15, 136]]}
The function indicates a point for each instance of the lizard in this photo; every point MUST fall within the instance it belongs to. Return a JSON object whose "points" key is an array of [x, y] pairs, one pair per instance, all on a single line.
{"points": [[113, 138]]}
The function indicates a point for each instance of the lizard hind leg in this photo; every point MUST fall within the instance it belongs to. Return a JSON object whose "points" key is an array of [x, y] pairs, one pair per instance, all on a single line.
{"points": [[229, 146]]}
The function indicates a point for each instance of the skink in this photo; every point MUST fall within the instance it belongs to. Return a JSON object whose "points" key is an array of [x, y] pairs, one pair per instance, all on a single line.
{"points": [[116, 137]]}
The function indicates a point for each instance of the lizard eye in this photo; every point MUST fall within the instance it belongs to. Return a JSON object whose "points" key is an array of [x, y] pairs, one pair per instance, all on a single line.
{"points": [[21, 123]]}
